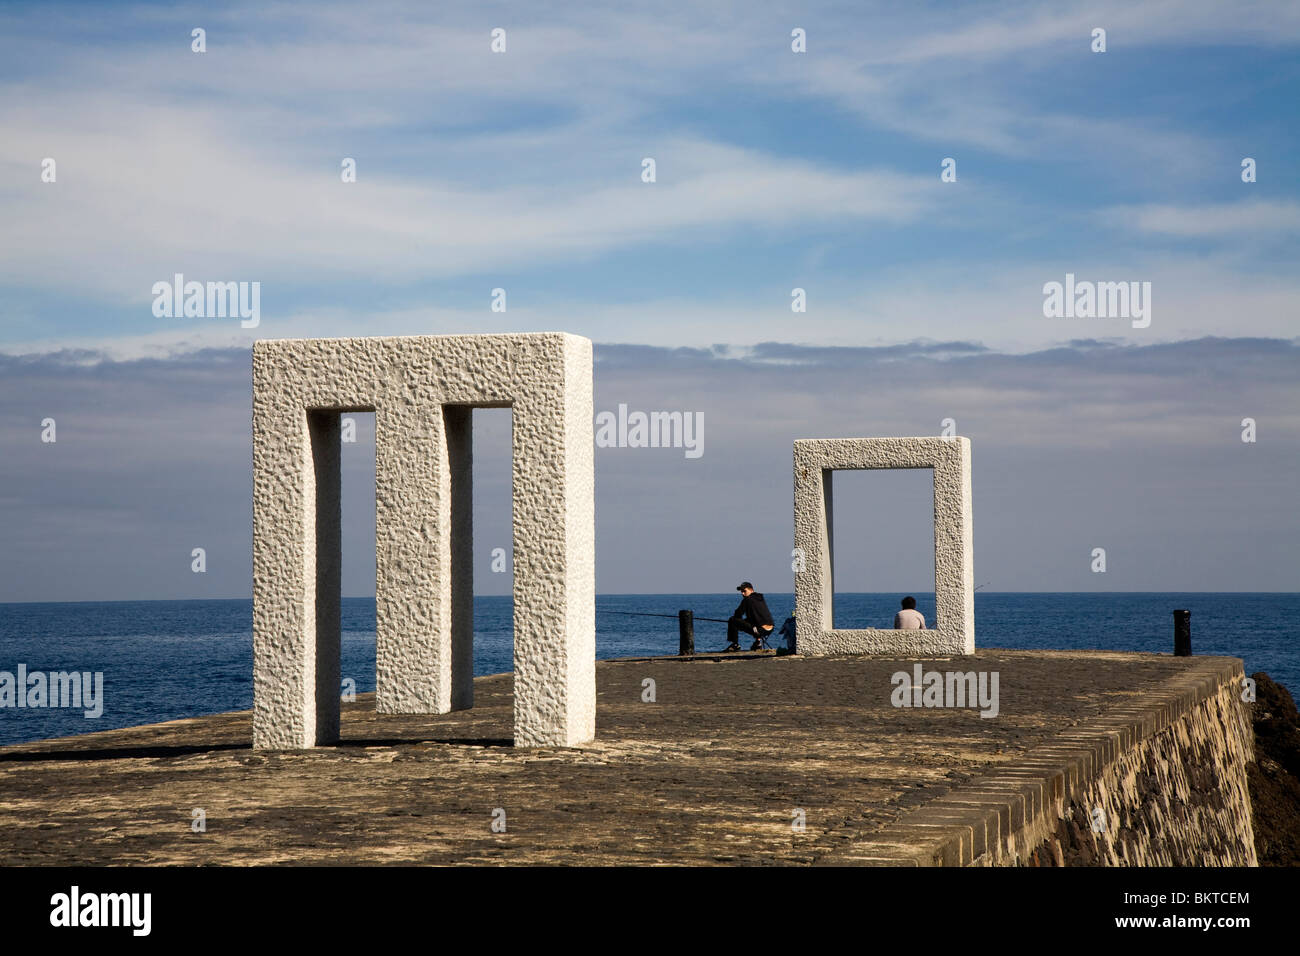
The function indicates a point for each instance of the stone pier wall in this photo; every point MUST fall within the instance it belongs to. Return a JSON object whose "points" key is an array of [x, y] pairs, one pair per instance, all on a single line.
{"points": [[1158, 781], [1176, 798]]}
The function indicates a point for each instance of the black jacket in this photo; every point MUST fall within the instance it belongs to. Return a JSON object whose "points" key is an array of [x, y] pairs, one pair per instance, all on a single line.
{"points": [[754, 610]]}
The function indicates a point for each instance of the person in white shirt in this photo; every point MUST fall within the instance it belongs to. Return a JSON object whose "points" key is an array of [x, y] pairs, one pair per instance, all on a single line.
{"points": [[909, 618]]}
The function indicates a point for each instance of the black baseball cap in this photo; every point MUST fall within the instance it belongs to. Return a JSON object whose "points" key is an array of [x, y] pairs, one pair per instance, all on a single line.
{"points": [[743, 585]]}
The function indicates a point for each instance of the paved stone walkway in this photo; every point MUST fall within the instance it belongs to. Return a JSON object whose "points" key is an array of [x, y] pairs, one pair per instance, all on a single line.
{"points": [[711, 772]]}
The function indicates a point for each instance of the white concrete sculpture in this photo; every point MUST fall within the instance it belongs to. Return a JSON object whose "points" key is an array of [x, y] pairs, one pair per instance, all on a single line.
{"points": [[422, 389], [815, 460]]}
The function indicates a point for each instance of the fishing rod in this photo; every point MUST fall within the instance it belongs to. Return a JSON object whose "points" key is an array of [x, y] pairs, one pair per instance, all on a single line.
{"points": [[673, 616]]}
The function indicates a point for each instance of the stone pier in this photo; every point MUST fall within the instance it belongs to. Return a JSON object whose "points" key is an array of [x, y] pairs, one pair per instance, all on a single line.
{"points": [[755, 759]]}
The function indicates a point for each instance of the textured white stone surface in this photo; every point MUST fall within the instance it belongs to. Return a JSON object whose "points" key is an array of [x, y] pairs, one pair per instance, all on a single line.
{"points": [[815, 461], [421, 389]]}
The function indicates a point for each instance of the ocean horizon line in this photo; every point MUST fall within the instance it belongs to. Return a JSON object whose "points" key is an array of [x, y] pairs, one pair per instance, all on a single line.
{"points": [[600, 594]]}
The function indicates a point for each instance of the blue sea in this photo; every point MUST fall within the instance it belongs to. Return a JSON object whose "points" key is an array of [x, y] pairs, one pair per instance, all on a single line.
{"points": [[163, 660]]}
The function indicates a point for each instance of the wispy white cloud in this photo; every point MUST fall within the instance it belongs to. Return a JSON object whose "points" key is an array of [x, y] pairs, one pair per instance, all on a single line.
{"points": [[225, 165], [171, 190], [1225, 220], [1000, 308], [981, 34]]}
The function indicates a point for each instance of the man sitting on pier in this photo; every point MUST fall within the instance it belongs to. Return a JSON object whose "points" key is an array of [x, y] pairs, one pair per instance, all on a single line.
{"points": [[751, 616], [909, 618]]}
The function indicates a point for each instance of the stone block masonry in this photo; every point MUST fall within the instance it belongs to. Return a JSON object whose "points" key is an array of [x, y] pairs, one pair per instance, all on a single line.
{"points": [[1157, 780], [713, 772], [422, 390]]}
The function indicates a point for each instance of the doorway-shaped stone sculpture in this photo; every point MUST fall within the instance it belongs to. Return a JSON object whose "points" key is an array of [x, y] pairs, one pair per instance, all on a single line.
{"points": [[815, 462], [422, 390]]}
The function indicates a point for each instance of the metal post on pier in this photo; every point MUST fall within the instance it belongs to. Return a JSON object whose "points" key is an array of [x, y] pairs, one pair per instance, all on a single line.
{"points": [[685, 632], [1182, 633]]}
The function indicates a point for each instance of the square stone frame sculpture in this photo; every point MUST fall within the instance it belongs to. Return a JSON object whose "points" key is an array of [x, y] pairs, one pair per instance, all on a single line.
{"points": [[815, 461], [422, 390]]}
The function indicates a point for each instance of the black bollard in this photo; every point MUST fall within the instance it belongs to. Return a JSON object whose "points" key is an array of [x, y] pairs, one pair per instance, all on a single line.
{"points": [[685, 632], [1182, 633]]}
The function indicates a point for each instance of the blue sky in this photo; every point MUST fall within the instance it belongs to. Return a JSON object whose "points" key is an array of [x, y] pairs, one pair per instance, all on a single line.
{"points": [[520, 170], [775, 170]]}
